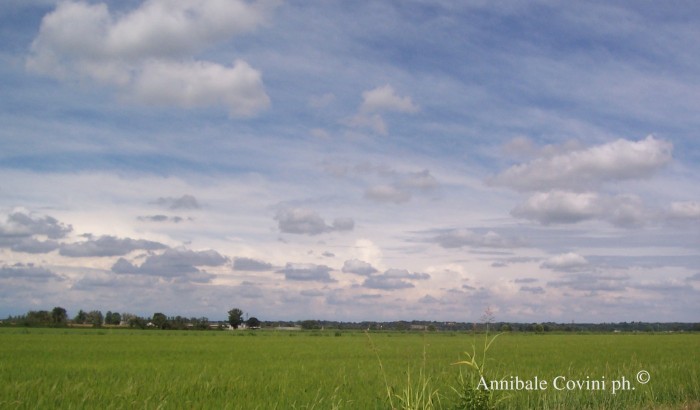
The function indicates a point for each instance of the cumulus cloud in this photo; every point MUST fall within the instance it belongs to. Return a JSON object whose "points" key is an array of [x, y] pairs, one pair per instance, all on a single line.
{"points": [[563, 207], [251, 265], [174, 263], [567, 262], [307, 272], [200, 83], [148, 51], [457, 238], [385, 283], [26, 232], [303, 221], [28, 272], [22, 224], [377, 101], [31, 245], [107, 246], [384, 98], [184, 202], [393, 279], [387, 193], [589, 167], [358, 267]]}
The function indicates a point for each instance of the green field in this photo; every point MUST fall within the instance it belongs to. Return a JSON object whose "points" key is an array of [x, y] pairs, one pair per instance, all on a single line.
{"points": [[115, 368]]}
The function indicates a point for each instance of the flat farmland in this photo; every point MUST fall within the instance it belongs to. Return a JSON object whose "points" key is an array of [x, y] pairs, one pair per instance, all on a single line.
{"points": [[117, 368]]}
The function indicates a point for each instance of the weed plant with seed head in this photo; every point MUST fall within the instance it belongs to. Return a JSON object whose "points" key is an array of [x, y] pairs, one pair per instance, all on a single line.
{"points": [[470, 394]]}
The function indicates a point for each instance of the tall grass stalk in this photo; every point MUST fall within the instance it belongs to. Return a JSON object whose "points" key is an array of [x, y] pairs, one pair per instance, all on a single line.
{"points": [[470, 393]]}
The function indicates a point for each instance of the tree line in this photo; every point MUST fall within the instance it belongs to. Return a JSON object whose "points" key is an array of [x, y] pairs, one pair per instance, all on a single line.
{"points": [[58, 317]]}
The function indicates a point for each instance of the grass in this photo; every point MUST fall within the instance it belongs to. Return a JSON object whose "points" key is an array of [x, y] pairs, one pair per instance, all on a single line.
{"points": [[111, 368]]}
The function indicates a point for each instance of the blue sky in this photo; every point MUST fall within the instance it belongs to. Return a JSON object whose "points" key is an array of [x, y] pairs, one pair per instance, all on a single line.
{"points": [[351, 160]]}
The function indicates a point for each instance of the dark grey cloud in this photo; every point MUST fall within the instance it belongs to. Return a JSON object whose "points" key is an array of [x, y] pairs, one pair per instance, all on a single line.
{"points": [[343, 224], [19, 229], [386, 283], [301, 221], [28, 272], [393, 279], [525, 280], [184, 202], [174, 263], [405, 274], [251, 265], [307, 272], [536, 290], [457, 238], [695, 277], [107, 246], [31, 245], [161, 218], [358, 267], [592, 283]]}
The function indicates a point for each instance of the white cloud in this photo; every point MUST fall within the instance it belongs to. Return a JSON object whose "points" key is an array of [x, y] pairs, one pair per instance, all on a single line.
{"points": [[685, 210], [567, 262], [564, 207], [590, 167], [383, 99], [377, 101], [148, 51], [201, 83]]}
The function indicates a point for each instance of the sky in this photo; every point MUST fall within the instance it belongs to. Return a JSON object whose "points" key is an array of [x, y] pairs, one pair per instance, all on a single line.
{"points": [[351, 160]]}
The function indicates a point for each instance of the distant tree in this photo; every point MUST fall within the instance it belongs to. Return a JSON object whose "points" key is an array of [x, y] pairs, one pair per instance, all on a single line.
{"points": [[160, 320], [81, 317], [310, 324], [112, 318], [116, 318], [134, 321], [95, 318], [253, 322], [235, 317], [59, 317], [38, 318]]}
